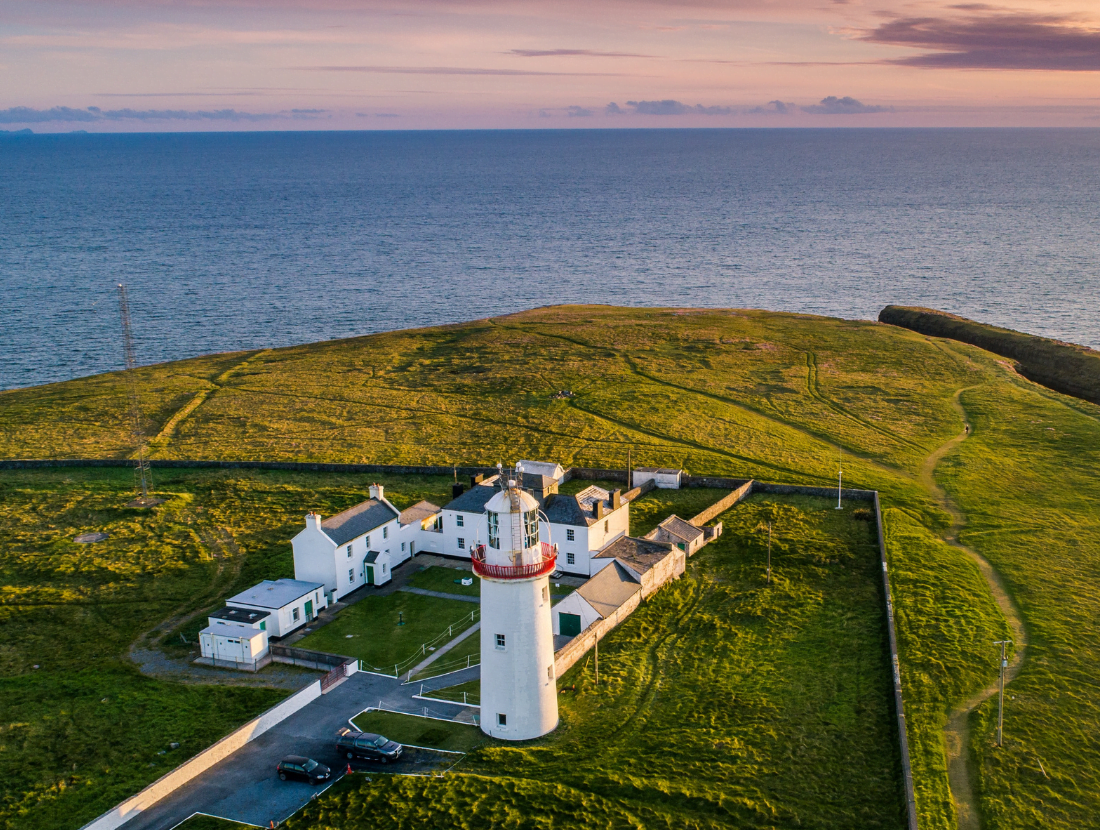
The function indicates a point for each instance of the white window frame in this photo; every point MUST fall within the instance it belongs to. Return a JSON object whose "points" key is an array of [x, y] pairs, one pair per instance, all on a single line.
{"points": [[461, 543], [570, 535], [502, 642], [570, 558], [460, 520]]}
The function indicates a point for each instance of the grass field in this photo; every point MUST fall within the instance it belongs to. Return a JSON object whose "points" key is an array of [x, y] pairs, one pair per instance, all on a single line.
{"points": [[714, 709], [654, 507], [423, 732], [384, 631], [447, 580], [462, 693], [749, 394]]}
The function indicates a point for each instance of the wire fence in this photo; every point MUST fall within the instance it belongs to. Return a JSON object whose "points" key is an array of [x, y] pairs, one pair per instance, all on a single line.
{"points": [[422, 653]]}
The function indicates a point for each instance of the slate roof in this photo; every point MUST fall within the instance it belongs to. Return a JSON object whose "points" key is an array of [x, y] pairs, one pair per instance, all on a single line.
{"points": [[641, 554], [239, 615], [418, 512], [355, 521], [275, 593], [578, 510], [609, 589], [678, 527], [372, 556], [474, 499]]}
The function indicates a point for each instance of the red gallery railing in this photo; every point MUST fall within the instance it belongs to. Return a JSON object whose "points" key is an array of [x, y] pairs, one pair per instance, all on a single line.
{"points": [[548, 558]]}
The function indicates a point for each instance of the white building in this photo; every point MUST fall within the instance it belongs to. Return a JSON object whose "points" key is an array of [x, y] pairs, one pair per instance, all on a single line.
{"points": [[664, 478], [421, 530], [580, 525], [542, 468], [596, 599], [287, 603], [676, 531], [334, 551], [229, 643], [519, 698]]}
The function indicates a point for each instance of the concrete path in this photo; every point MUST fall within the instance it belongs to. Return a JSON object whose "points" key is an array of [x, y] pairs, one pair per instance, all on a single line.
{"points": [[419, 667], [424, 592], [245, 787]]}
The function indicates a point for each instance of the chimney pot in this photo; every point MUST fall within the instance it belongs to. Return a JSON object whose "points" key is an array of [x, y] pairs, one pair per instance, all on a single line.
{"points": [[376, 491]]}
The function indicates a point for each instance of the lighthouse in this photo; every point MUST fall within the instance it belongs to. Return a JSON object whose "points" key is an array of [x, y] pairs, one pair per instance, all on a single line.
{"points": [[519, 699]]}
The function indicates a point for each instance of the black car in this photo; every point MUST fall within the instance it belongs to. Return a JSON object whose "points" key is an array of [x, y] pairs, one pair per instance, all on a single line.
{"points": [[352, 744], [304, 769]]}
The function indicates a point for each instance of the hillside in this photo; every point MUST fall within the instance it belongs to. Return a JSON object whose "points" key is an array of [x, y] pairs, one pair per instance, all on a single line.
{"points": [[778, 397]]}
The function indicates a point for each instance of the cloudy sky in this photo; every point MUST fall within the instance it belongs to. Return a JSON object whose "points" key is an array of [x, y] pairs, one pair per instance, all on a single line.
{"points": [[125, 65]]}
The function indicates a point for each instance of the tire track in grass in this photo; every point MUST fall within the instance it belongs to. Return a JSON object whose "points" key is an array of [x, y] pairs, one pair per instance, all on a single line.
{"points": [[957, 731]]}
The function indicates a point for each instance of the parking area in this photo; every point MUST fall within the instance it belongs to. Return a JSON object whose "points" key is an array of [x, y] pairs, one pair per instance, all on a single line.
{"points": [[245, 786]]}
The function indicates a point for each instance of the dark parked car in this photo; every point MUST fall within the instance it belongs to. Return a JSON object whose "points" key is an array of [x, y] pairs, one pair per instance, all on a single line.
{"points": [[304, 769], [352, 744]]}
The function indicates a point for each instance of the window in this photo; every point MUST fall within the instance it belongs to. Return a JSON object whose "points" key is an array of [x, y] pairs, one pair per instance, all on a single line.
{"points": [[295, 614], [349, 551], [366, 541], [351, 575], [502, 720], [461, 543], [494, 530], [402, 547], [545, 593], [383, 567], [530, 529], [570, 559], [570, 535], [385, 533], [606, 525], [460, 520], [549, 672], [500, 641]]}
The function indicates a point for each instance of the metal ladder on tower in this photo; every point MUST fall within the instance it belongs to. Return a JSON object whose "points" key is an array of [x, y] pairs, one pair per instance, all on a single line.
{"points": [[517, 523]]}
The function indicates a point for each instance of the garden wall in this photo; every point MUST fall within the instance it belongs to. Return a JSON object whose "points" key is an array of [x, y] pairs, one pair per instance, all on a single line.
{"points": [[169, 783]]}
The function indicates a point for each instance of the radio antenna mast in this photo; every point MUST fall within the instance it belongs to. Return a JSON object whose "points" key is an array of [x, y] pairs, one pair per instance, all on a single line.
{"points": [[142, 474]]}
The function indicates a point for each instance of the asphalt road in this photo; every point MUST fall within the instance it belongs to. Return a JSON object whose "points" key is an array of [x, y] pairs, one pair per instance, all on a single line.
{"points": [[245, 787]]}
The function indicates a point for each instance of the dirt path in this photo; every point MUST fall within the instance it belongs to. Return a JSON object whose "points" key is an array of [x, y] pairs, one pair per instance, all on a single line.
{"points": [[957, 732]]}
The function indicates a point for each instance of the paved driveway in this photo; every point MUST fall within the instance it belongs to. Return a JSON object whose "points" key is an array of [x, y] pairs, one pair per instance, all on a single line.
{"points": [[245, 787]]}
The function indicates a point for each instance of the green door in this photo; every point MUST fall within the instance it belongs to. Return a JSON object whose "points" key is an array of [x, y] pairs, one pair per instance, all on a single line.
{"points": [[309, 609], [569, 624], [370, 574]]}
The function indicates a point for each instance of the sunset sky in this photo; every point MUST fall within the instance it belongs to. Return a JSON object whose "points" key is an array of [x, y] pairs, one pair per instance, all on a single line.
{"points": [[123, 65]]}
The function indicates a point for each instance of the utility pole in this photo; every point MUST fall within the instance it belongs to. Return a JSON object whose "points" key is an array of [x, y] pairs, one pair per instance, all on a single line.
{"points": [[839, 483], [597, 661], [1001, 705], [769, 553], [628, 471]]}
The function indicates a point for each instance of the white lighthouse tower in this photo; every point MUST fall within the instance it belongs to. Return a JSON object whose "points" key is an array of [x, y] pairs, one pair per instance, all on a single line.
{"points": [[519, 699]]}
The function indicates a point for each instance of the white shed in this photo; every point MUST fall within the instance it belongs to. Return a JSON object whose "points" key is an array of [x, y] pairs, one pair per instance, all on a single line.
{"points": [[542, 468], [290, 603], [663, 478], [231, 643]]}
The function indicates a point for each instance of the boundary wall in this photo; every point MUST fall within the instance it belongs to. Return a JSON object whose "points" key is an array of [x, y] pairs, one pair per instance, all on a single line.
{"points": [[170, 782]]}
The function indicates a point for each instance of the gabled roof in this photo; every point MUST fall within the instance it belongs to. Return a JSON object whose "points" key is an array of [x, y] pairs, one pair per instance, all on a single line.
{"points": [[372, 556], [663, 470], [543, 468], [579, 510], [638, 554], [275, 593], [418, 512], [474, 499], [355, 521], [678, 527], [609, 589]]}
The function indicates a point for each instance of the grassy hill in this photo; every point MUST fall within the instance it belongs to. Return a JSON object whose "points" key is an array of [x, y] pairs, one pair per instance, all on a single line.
{"points": [[747, 393]]}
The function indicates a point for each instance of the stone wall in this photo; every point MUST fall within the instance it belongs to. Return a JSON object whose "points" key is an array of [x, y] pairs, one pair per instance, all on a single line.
{"points": [[580, 645], [723, 504]]}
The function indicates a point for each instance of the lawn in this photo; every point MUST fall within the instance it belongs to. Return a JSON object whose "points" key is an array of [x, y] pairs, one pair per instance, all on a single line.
{"points": [[714, 687], [648, 511], [200, 822], [467, 653], [469, 692], [427, 733], [778, 397], [447, 580], [395, 629]]}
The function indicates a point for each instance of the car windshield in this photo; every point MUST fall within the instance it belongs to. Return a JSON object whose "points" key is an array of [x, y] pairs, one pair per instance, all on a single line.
{"points": [[310, 765], [380, 741]]}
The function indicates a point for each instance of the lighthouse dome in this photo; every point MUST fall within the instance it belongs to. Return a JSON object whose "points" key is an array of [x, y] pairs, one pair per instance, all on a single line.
{"points": [[502, 503]]}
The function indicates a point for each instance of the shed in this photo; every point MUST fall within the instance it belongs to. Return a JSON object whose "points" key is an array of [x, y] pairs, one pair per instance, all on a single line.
{"points": [[542, 468], [290, 603], [663, 477], [240, 645], [675, 531]]}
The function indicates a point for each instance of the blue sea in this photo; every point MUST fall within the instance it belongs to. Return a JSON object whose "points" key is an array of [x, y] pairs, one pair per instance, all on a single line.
{"points": [[248, 240]]}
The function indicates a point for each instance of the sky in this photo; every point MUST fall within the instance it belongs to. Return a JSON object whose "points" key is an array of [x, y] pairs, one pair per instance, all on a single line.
{"points": [[159, 65]]}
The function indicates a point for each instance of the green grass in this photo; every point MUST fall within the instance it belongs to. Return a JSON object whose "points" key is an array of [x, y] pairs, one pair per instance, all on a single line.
{"points": [[423, 732], [455, 659], [777, 397], [462, 693], [714, 709], [654, 507], [372, 629], [439, 578], [209, 823]]}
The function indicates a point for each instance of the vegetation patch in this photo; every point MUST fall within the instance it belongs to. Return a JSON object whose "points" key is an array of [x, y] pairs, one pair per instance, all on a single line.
{"points": [[422, 732], [447, 580], [649, 510]]}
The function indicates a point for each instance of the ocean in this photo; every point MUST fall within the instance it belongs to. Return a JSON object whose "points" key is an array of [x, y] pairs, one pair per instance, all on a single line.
{"points": [[245, 240]]}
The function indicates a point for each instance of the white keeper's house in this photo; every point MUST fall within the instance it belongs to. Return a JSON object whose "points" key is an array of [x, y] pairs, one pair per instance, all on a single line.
{"points": [[363, 544], [579, 525]]}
